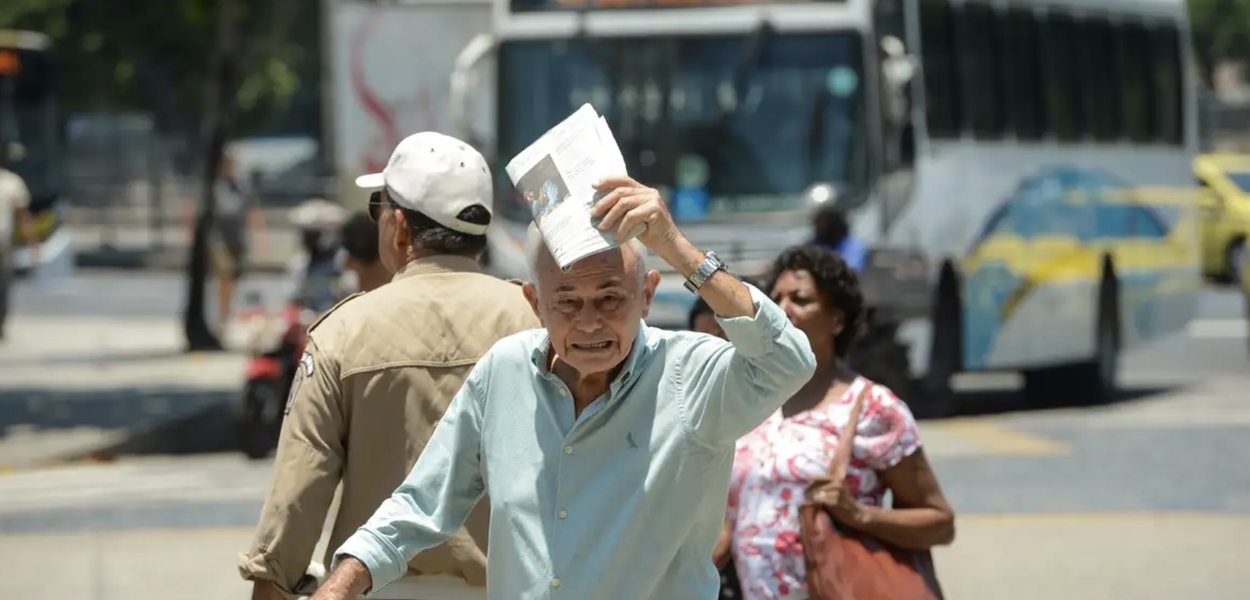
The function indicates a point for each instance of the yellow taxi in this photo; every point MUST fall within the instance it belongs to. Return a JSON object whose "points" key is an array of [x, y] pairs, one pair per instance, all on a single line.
{"points": [[1224, 199]]}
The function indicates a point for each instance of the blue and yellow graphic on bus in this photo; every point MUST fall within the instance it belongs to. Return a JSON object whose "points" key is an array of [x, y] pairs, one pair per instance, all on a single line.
{"points": [[1033, 277]]}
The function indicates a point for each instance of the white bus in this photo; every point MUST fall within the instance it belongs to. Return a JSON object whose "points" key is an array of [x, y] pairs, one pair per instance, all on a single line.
{"points": [[1020, 169]]}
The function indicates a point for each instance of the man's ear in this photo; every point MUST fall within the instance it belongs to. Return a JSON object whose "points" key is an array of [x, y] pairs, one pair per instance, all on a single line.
{"points": [[531, 295], [401, 240], [650, 282]]}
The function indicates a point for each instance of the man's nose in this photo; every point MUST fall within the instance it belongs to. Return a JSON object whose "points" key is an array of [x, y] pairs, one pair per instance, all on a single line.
{"points": [[588, 318]]}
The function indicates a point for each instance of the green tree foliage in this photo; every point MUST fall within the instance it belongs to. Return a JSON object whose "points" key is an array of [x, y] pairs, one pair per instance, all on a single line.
{"points": [[155, 56], [1220, 31]]}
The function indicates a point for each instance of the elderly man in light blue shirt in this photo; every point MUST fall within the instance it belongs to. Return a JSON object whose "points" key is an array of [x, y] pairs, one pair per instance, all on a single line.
{"points": [[605, 445]]}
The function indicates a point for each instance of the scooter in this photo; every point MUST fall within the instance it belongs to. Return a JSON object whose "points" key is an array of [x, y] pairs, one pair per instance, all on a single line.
{"points": [[276, 344]]}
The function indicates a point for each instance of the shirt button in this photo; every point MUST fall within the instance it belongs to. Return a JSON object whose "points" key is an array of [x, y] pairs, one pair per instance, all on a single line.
{"points": [[563, 513], [568, 449], [555, 582], [564, 392]]}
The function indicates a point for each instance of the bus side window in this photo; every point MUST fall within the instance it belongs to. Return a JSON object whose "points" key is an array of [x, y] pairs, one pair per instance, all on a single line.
{"points": [[1169, 86], [982, 53], [943, 100], [1104, 76], [1135, 57], [1026, 106], [1061, 66]]}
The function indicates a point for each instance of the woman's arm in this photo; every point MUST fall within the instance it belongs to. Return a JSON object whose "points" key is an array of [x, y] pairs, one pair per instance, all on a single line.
{"points": [[921, 517], [721, 553]]}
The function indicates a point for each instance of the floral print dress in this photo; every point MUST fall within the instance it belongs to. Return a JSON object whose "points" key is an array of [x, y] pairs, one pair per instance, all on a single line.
{"points": [[773, 466]]}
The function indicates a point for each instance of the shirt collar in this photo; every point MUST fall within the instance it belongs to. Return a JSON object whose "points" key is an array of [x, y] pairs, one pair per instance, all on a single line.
{"points": [[633, 362], [439, 263]]}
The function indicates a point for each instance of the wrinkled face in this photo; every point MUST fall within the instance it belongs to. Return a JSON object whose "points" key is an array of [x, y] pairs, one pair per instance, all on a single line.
{"points": [[706, 323], [796, 293], [593, 311]]}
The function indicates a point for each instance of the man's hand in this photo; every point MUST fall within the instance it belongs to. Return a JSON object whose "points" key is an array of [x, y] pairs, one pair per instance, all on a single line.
{"points": [[629, 206], [350, 579]]}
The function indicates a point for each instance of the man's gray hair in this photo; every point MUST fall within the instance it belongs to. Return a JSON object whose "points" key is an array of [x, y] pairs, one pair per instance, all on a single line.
{"points": [[535, 246]]}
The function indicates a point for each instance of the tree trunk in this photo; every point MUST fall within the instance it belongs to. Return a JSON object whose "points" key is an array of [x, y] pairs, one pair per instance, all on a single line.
{"points": [[218, 124]]}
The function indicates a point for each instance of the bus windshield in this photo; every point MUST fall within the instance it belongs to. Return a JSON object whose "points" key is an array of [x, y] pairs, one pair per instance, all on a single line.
{"points": [[754, 120], [27, 119]]}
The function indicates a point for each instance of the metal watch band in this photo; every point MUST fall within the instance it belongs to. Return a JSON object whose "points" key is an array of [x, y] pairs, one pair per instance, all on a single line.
{"points": [[711, 264]]}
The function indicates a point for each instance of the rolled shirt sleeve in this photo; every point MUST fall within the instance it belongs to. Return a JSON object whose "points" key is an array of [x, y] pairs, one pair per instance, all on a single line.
{"points": [[731, 387], [436, 497], [307, 468]]}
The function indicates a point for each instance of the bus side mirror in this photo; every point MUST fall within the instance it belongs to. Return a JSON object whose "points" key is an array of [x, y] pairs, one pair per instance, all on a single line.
{"points": [[465, 91], [898, 68]]}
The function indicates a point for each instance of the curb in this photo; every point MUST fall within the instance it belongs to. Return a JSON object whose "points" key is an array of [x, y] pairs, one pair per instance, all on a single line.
{"points": [[146, 261]]}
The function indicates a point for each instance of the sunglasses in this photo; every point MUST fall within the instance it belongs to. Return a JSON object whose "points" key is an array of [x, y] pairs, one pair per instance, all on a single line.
{"points": [[377, 202]]}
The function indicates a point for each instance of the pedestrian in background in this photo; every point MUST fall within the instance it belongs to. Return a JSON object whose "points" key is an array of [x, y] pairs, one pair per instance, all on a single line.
{"points": [[786, 459], [237, 215], [14, 209], [832, 231], [360, 247], [604, 444], [381, 368]]}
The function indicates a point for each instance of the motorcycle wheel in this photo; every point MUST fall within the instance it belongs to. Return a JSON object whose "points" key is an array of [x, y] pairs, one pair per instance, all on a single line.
{"points": [[261, 420]]}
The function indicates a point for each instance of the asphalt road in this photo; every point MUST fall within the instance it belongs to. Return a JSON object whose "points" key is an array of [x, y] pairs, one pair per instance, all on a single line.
{"points": [[1148, 498]]}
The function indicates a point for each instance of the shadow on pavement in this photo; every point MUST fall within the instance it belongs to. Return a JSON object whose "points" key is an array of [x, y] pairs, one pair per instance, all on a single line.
{"points": [[1006, 401], [158, 420]]}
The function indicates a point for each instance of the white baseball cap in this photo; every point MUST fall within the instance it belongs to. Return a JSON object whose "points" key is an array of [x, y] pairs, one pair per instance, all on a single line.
{"points": [[438, 176]]}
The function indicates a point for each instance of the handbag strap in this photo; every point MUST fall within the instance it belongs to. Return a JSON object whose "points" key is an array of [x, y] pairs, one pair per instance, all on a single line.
{"points": [[846, 441]]}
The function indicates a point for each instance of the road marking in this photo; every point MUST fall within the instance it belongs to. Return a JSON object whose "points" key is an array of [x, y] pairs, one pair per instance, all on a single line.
{"points": [[989, 438], [112, 484], [1218, 329]]}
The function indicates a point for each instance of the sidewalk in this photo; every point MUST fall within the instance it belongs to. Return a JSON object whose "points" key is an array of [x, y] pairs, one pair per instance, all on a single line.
{"points": [[1044, 557], [73, 386], [142, 247]]}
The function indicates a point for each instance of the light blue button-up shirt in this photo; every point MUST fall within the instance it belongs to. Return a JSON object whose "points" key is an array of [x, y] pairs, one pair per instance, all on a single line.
{"points": [[624, 502]]}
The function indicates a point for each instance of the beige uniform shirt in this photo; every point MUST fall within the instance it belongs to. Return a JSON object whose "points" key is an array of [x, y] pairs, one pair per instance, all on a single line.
{"points": [[379, 371]]}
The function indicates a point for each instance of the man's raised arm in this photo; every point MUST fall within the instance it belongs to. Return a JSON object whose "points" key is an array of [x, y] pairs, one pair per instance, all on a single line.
{"points": [[426, 509], [730, 388]]}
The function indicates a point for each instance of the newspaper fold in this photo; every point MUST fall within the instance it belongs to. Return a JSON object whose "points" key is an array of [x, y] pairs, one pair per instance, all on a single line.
{"points": [[556, 175]]}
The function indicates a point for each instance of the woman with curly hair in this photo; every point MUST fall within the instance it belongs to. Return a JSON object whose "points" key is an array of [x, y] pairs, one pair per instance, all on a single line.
{"points": [[777, 463]]}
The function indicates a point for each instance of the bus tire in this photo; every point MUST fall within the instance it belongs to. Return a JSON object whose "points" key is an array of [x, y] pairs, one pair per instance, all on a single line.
{"points": [[935, 397], [1234, 256], [1091, 382]]}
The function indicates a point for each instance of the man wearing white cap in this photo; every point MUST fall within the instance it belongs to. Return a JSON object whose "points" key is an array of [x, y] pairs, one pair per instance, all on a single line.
{"points": [[381, 368]]}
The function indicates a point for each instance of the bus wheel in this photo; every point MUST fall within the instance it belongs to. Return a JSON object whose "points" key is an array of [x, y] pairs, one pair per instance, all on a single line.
{"points": [[1091, 382], [1235, 257], [935, 396]]}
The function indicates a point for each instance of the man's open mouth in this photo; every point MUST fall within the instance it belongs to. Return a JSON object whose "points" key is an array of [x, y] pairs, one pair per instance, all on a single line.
{"points": [[596, 347]]}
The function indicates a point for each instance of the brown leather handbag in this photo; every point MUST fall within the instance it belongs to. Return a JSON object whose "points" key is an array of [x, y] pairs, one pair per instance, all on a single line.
{"points": [[843, 564]]}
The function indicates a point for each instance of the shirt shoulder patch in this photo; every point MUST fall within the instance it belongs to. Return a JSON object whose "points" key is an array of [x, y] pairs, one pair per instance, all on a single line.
{"points": [[303, 371]]}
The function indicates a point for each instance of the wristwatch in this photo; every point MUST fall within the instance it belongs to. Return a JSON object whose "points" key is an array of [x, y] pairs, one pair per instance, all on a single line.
{"points": [[711, 264]]}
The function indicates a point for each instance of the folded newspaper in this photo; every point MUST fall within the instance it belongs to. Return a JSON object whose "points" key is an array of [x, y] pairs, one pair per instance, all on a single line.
{"points": [[556, 176]]}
